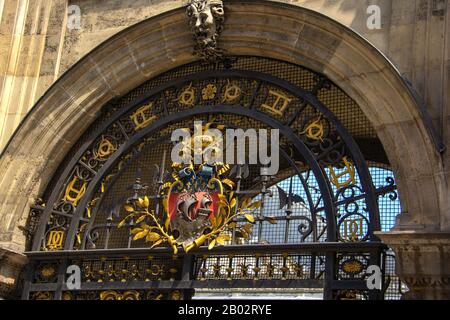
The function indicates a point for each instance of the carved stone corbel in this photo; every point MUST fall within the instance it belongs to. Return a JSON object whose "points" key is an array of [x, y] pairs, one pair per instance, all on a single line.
{"points": [[206, 19]]}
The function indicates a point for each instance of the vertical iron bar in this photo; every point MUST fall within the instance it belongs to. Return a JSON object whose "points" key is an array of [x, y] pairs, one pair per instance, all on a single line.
{"points": [[288, 212], [29, 272], [330, 270], [60, 279], [238, 190]]}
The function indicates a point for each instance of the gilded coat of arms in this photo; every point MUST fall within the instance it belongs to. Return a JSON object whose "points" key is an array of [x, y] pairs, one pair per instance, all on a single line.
{"points": [[193, 200], [200, 207]]}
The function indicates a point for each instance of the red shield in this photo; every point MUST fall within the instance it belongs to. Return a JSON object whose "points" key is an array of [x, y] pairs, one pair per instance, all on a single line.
{"points": [[190, 206]]}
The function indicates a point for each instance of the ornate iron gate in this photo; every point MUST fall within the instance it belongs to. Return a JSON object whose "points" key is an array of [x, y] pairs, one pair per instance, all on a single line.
{"points": [[109, 208]]}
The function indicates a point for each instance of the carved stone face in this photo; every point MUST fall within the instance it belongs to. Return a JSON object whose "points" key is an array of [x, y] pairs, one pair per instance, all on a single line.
{"points": [[206, 19]]}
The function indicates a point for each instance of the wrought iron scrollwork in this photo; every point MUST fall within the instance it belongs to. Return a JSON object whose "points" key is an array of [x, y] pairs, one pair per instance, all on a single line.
{"points": [[322, 193], [305, 228]]}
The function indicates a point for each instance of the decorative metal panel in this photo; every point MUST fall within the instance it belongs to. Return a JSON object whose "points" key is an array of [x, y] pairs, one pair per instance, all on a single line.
{"points": [[116, 198]]}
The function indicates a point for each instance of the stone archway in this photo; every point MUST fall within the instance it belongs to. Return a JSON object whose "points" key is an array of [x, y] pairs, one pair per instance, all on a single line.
{"points": [[259, 28]]}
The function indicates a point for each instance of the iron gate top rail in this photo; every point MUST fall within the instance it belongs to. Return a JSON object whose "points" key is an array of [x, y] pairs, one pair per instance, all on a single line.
{"points": [[321, 247]]}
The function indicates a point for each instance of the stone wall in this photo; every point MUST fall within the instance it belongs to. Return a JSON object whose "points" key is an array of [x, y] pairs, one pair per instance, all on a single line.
{"points": [[31, 33]]}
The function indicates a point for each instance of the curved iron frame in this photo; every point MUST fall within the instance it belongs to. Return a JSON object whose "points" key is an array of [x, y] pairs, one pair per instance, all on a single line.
{"points": [[365, 178], [357, 156]]}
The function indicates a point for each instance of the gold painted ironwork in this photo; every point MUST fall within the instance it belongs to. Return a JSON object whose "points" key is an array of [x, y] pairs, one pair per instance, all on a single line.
{"points": [[55, 240], [352, 267], [48, 271], [67, 296], [175, 295], [220, 226], [42, 295], [353, 229], [209, 92], [105, 149], [244, 268], [279, 105], [315, 130], [114, 295], [232, 92], [298, 269], [187, 96], [217, 270], [173, 272], [88, 273], [270, 269], [140, 117], [347, 295], [73, 194], [350, 170], [155, 295], [81, 230]]}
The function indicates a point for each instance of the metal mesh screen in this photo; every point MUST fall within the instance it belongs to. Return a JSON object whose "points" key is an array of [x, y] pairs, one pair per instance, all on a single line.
{"points": [[284, 226]]}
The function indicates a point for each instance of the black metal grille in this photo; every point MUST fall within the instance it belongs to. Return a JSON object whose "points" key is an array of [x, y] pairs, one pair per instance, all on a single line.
{"points": [[304, 204]]}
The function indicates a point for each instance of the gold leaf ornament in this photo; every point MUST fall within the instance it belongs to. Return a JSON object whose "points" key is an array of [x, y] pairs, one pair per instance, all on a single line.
{"points": [[140, 235], [166, 204], [222, 238], [255, 205], [212, 244], [250, 218], [245, 202], [167, 223], [247, 228], [140, 219], [228, 183], [121, 223], [157, 243], [232, 225], [213, 220], [136, 230], [146, 202], [152, 237]]}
